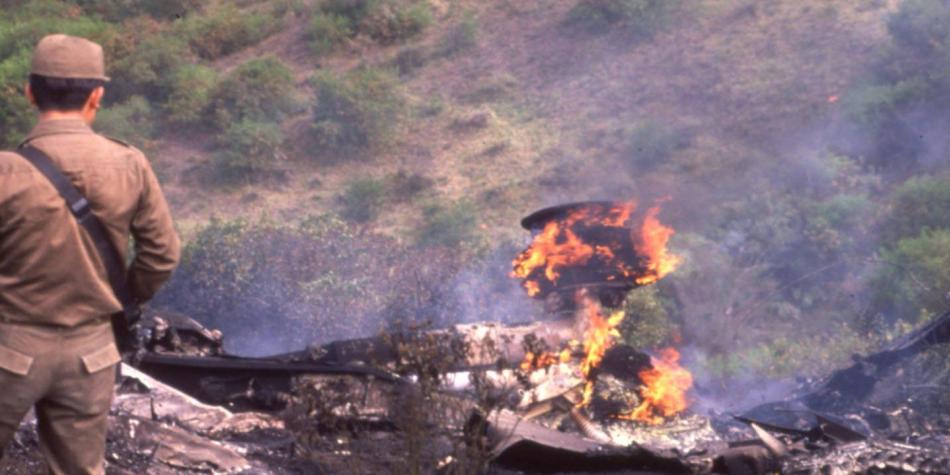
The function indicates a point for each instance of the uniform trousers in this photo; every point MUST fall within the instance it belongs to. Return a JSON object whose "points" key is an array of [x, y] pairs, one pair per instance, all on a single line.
{"points": [[67, 375]]}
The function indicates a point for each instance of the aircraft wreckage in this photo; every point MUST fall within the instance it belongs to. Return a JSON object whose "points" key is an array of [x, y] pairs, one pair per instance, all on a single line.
{"points": [[559, 395]]}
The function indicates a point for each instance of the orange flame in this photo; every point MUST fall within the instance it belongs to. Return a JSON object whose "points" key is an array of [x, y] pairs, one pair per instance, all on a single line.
{"points": [[533, 361], [664, 391], [600, 335], [643, 259], [653, 238]]}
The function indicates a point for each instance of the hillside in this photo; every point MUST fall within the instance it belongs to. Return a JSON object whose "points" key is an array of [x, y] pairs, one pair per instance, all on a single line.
{"points": [[373, 158]]}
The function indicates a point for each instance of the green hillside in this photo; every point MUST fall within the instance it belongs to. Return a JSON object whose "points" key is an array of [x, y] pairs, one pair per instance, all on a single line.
{"points": [[339, 165]]}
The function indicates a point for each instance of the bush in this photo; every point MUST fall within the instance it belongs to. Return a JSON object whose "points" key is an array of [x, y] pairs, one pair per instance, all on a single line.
{"points": [[913, 279], [362, 199], [408, 60], [249, 150], [462, 37], [273, 288], [116, 10], [191, 88], [650, 144], [640, 17], [920, 203], [262, 90], [327, 31], [130, 121], [149, 68], [389, 23], [452, 225], [226, 30], [357, 111], [646, 324]]}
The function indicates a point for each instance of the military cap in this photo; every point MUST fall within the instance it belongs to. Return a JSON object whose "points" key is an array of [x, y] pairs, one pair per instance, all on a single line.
{"points": [[64, 56]]}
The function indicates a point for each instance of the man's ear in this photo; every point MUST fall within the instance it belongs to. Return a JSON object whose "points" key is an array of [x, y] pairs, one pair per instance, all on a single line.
{"points": [[95, 98], [29, 94]]}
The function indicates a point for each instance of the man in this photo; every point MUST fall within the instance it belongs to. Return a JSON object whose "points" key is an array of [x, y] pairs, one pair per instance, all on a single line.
{"points": [[57, 350]]}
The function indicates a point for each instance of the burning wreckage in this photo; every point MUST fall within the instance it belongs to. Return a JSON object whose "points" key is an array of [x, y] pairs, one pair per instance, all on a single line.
{"points": [[560, 395]]}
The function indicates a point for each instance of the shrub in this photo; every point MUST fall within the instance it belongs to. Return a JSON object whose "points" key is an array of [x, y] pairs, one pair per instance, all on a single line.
{"points": [[462, 37], [650, 144], [191, 88], [640, 17], [353, 10], [149, 67], [913, 278], [646, 324], [121, 9], [226, 30], [362, 199], [356, 111], [408, 60], [920, 203], [262, 89], [130, 121], [326, 31], [389, 23], [273, 288], [249, 150], [451, 225]]}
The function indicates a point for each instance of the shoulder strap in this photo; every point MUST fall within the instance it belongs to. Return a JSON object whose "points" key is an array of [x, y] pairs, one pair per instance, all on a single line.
{"points": [[79, 207]]}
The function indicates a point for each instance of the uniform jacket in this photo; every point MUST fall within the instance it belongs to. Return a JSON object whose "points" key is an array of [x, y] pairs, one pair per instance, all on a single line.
{"points": [[50, 271]]}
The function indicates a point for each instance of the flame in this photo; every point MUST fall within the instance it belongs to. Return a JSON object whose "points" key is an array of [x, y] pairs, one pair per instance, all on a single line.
{"points": [[653, 238], [555, 247], [642, 259], [664, 391], [635, 257], [533, 361], [600, 336]]}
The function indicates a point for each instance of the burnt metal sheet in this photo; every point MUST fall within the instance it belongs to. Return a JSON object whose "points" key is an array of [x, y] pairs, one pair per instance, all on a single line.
{"points": [[525, 445]]}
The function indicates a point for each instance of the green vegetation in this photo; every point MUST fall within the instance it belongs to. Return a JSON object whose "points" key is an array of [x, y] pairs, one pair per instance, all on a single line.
{"points": [[190, 96], [462, 37], [647, 322], [912, 79], [914, 276], [249, 150], [357, 111], [386, 22], [920, 203], [450, 225], [225, 31], [642, 18], [117, 10], [650, 144], [326, 31], [131, 121], [362, 199], [261, 89]]}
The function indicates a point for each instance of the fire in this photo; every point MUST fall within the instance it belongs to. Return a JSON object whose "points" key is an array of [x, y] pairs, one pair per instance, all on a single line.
{"points": [[664, 391], [556, 247], [542, 360], [600, 335], [653, 238], [597, 242]]}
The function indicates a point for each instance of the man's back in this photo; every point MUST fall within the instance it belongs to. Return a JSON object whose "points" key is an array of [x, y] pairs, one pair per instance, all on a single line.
{"points": [[50, 271]]}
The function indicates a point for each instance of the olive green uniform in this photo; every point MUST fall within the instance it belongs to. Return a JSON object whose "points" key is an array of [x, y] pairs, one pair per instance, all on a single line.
{"points": [[57, 351]]}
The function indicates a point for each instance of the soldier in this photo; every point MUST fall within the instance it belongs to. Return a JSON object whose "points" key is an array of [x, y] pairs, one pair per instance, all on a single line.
{"points": [[57, 350]]}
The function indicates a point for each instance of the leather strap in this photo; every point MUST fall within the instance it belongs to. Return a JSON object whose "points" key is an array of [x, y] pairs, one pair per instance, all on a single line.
{"points": [[80, 209]]}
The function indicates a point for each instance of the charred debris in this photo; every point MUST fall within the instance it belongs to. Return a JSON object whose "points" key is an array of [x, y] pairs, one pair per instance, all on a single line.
{"points": [[552, 396]]}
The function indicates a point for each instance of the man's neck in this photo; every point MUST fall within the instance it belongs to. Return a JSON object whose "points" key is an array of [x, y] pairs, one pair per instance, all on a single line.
{"points": [[62, 115]]}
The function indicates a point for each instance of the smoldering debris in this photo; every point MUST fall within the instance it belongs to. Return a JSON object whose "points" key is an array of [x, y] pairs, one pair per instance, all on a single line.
{"points": [[337, 420]]}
